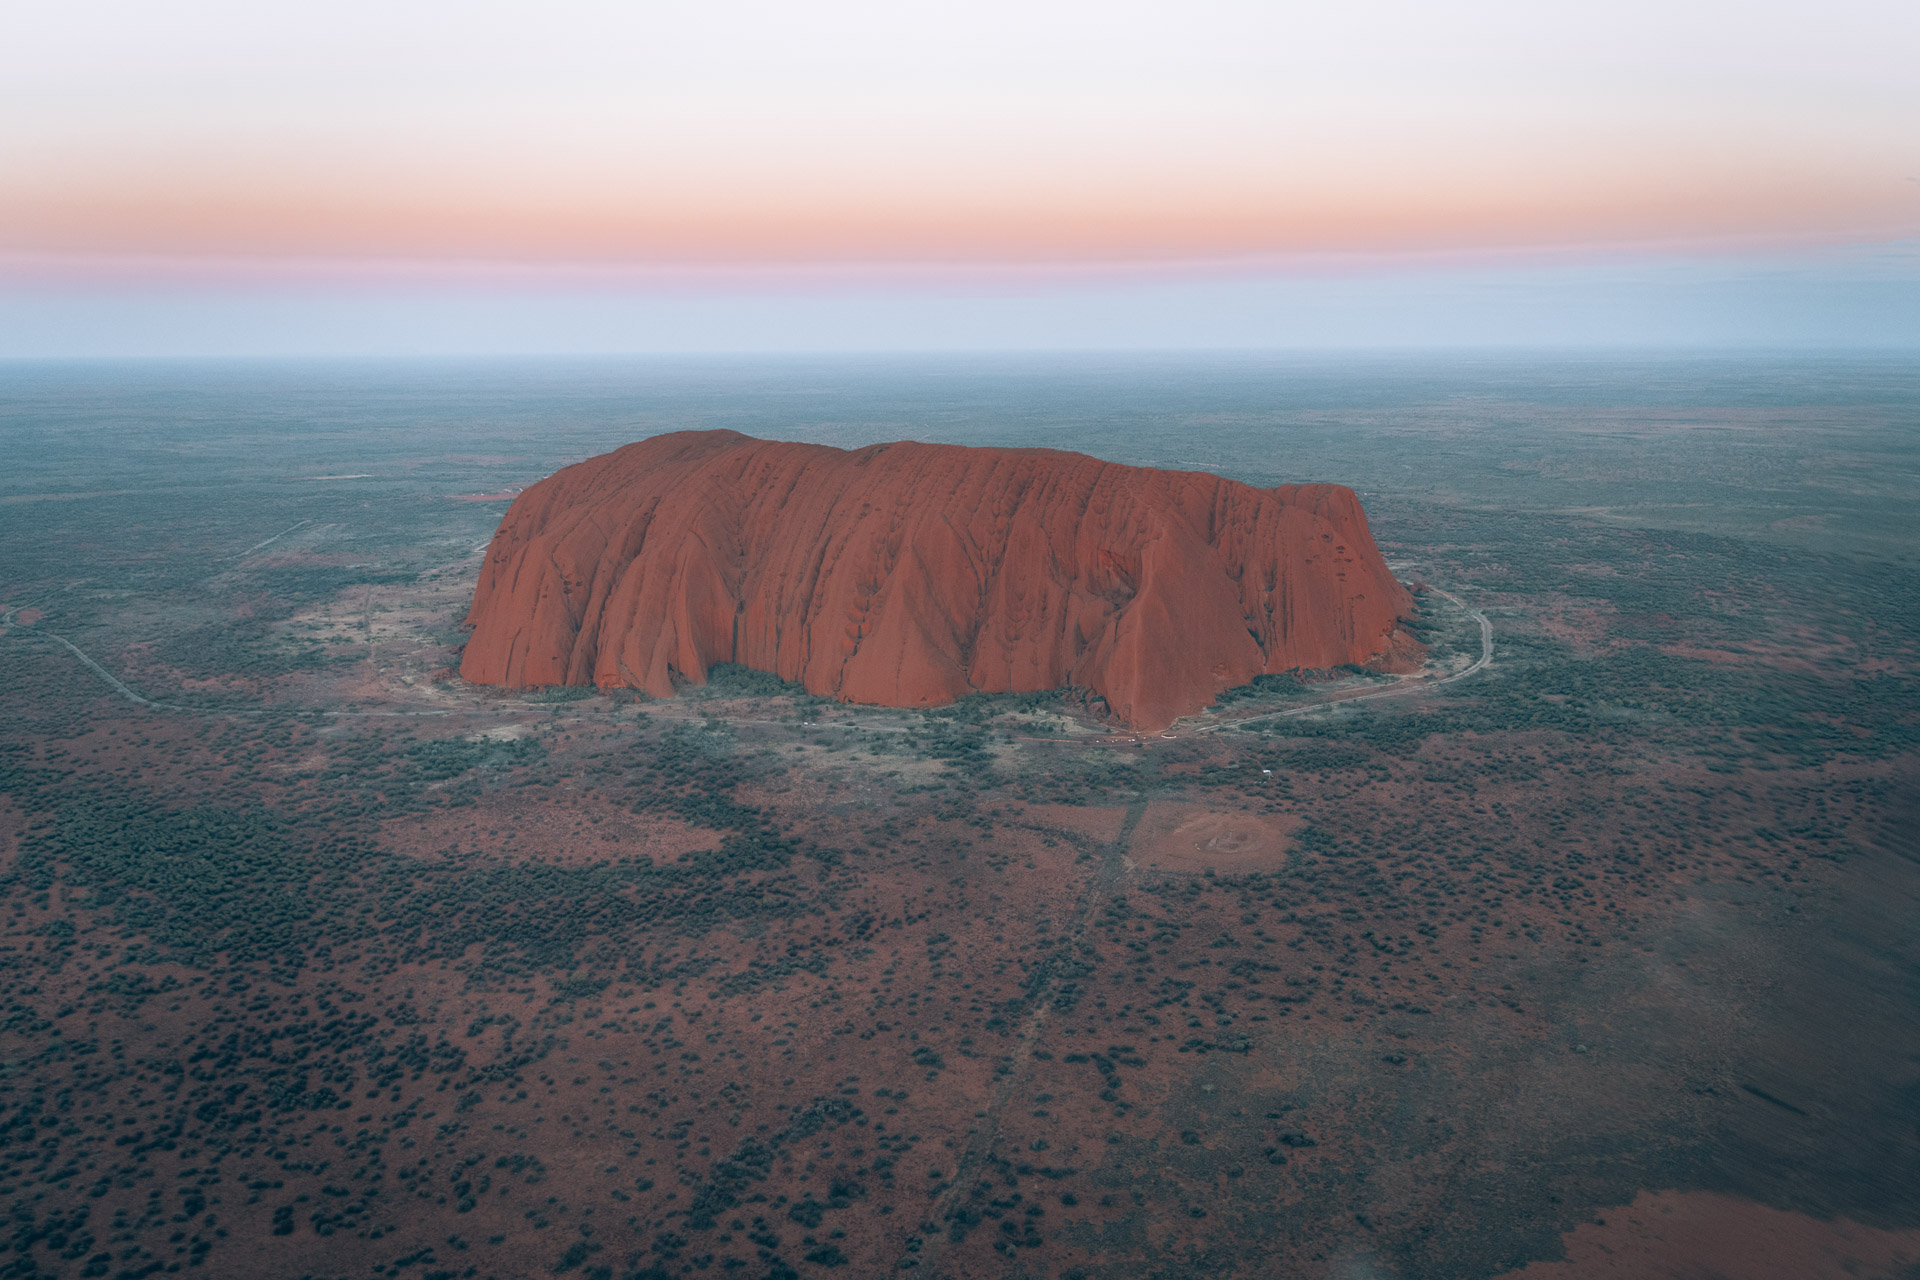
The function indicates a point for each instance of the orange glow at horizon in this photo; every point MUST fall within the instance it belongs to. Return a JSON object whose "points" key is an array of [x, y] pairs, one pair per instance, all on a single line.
{"points": [[1002, 131], [1154, 209]]}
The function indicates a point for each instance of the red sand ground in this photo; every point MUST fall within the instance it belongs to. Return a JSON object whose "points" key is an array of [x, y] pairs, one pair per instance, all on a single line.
{"points": [[1498, 959], [1674, 1235], [1229, 1047]]}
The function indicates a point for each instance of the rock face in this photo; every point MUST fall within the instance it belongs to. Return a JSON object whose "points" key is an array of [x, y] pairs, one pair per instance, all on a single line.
{"points": [[910, 575]]}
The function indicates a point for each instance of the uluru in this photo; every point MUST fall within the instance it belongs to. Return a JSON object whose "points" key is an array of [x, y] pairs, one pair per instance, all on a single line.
{"points": [[910, 575]]}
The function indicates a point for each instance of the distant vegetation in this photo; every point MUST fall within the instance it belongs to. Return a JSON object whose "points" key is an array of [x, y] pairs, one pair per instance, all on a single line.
{"points": [[615, 989]]}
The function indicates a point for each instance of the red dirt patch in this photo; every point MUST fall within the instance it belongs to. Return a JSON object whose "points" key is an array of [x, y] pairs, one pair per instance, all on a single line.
{"points": [[1697, 1235], [1190, 837], [582, 834]]}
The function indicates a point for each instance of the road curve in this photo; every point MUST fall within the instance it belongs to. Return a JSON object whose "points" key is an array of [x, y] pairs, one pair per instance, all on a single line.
{"points": [[1407, 684]]}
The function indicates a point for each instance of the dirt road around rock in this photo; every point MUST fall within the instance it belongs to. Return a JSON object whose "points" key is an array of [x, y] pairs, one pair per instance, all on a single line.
{"points": [[849, 721]]}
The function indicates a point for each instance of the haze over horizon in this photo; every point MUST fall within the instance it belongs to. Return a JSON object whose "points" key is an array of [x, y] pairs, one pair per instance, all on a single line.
{"points": [[203, 177]]}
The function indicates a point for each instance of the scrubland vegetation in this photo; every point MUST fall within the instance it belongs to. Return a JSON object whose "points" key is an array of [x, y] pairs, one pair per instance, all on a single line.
{"points": [[608, 987]]}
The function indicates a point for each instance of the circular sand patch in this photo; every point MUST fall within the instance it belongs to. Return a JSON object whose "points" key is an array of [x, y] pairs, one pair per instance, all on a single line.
{"points": [[1188, 837]]}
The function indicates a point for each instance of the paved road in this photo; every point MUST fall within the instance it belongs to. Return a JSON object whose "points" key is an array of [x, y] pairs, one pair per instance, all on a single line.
{"points": [[153, 704], [1405, 685], [270, 541]]}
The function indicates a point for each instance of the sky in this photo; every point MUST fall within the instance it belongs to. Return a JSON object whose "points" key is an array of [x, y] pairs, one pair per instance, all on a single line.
{"points": [[185, 177]]}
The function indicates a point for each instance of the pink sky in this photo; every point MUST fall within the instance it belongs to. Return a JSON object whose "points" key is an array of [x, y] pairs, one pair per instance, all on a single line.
{"points": [[936, 133], [388, 176]]}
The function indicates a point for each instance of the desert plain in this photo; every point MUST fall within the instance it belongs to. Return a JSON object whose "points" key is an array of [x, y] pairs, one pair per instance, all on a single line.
{"points": [[1596, 960]]}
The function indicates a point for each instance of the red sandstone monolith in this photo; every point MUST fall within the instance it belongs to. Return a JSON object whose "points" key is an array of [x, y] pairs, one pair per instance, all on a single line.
{"points": [[910, 575]]}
